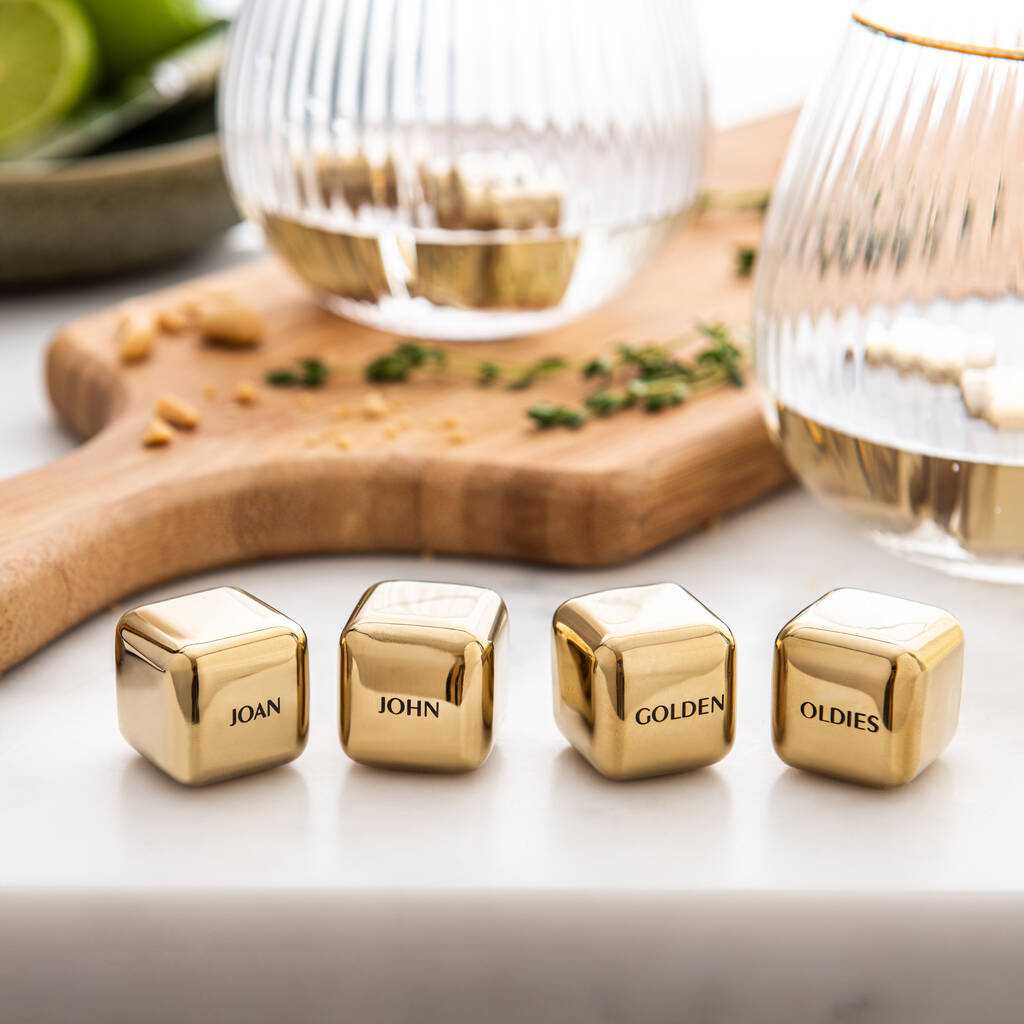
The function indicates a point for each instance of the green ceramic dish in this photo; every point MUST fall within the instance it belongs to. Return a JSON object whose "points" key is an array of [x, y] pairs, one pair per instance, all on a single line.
{"points": [[157, 196]]}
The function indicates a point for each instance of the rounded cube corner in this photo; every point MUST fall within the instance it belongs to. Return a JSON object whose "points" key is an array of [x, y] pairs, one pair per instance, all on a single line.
{"points": [[792, 630]]}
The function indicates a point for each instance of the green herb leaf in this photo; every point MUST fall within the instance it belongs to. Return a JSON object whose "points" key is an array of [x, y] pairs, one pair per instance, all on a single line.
{"points": [[281, 378], [489, 373], [310, 372], [389, 367], [604, 403], [602, 366], [550, 364], [314, 373], [547, 415], [746, 257]]}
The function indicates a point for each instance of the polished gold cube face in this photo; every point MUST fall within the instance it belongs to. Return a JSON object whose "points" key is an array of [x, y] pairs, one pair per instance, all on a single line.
{"points": [[423, 675], [644, 680], [867, 687], [212, 685]]}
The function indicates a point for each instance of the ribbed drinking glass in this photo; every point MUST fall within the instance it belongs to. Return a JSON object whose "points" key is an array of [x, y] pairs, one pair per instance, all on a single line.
{"points": [[462, 168], [889, 322]]}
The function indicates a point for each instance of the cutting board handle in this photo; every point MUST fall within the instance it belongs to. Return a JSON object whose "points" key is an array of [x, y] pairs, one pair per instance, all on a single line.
{"points": [[81, 533]]}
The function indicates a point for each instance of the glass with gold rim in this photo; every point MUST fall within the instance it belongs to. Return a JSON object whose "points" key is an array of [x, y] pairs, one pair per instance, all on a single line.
{"points": [[889, 320]]}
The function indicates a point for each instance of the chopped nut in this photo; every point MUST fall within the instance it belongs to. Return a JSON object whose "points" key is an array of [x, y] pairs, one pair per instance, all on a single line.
{"points": [[224, 319], [135, 337], [344, 442], [245, 392], [451, 421], [375, 407], [192, 300], [157, 434], [313, 440], [342, 412], [306, 401], [171, 320], [177, 411], [458, 437], [392, 432], [209, 390], [404, 423]]}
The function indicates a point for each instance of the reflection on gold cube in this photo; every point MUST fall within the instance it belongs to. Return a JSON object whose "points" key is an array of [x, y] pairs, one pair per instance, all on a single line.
{"points": [[644, 680], [867, 687], [422, 675], [212, 685]]}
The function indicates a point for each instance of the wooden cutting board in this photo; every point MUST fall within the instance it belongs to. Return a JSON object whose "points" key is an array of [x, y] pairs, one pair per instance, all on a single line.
{"points": [[259, 481]]}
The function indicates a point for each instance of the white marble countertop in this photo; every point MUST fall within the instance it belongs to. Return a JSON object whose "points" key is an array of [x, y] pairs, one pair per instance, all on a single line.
{"points": [[532, 887]]}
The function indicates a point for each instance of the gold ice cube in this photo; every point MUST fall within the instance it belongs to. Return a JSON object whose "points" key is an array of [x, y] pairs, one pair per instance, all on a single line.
{"points": [[463, 202], [357, 180], [531, 274], [343, 264], [867, 687], [212, 685], [422, 675], [644, 680]]}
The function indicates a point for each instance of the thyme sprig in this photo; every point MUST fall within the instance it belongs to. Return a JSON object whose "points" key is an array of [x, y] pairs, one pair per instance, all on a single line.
{"points": [[653, 377], [409, 356], [647, 375]]}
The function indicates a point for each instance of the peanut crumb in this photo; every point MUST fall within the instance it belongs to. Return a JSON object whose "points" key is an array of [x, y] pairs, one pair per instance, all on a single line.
{"points": [[375, 407], [391, 433], [342, 412], [192, 300], [157, 434], [209, 390], [344, 442], [306, 401], [313, 440], [171, 320], [450, 422], [177, 412], [135, 337], [458, 437], [224, 319], [245, 392], [404, 423]]}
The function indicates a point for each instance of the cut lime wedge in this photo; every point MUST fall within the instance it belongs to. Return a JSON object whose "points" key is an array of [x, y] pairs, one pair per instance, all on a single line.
{"points": [[48, 63]]}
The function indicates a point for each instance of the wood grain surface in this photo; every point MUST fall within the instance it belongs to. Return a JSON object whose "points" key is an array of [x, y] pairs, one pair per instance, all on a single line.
{"points": [[268, 479]]}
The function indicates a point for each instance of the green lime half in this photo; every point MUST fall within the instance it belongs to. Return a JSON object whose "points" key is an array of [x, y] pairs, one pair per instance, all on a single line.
{"points": [[133, 33], [48, 63]]}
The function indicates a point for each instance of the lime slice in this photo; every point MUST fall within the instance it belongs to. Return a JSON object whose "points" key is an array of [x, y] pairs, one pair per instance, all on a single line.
{"points": [[48, 63], [133, 33]]}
